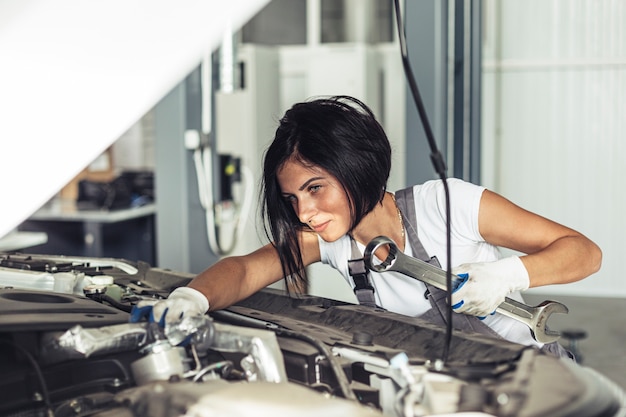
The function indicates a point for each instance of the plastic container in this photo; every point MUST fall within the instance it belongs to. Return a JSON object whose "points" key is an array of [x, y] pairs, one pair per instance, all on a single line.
{"points": [[64, 282]]}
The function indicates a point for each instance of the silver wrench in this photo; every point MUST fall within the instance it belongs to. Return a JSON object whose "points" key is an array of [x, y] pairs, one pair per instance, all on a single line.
{"points": [[534, 317]]}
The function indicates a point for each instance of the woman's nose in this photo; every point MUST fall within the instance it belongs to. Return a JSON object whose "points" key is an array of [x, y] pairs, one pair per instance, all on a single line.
{"points": [[306, 210]]}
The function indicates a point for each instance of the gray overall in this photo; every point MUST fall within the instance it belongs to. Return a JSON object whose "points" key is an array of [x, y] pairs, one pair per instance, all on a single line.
{"points": [[438, 298]]}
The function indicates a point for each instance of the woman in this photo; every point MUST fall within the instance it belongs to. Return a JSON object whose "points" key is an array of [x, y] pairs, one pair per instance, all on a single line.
{"points": [[324, 186]]}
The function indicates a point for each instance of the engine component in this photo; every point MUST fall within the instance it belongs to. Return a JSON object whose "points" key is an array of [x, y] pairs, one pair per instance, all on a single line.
{"points": [[162, 363]]}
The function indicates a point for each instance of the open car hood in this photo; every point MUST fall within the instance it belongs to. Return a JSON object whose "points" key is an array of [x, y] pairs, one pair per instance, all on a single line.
{"points": [[75, 75]]}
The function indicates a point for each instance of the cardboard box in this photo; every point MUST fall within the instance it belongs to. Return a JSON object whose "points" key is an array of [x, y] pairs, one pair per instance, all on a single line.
{"points": [[100, 170]]}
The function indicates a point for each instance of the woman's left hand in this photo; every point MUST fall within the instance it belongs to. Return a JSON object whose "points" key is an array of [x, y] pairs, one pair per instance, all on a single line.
{"points": [[486, 284]]}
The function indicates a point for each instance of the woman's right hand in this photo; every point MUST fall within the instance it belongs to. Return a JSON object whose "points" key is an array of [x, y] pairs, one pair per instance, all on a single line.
{"points": [[183, 301]]}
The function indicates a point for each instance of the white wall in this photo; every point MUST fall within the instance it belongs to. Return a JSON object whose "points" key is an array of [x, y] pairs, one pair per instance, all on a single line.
{"points": [[554, 120]]}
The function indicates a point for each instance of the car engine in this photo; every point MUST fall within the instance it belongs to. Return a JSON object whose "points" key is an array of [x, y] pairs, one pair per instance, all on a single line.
{"points": [[71, 344]]}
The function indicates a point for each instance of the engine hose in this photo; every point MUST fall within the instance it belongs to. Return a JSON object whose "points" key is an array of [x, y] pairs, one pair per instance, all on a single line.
{"points": [[342, 379], [121, 306]]}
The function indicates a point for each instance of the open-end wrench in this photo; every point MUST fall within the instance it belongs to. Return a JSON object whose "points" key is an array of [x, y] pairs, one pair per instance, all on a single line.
{"points": [[534, 317]]}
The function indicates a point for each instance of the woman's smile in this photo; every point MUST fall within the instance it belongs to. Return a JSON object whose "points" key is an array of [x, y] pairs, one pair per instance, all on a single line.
{"points": [[319, 228]]}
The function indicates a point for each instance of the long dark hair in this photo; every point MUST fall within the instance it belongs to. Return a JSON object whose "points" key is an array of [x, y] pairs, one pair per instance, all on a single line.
{"points": [[339, 134]]}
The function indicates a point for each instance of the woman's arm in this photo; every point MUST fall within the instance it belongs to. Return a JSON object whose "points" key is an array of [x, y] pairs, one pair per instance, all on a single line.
{"points": [[235, 278], [555, 254]]}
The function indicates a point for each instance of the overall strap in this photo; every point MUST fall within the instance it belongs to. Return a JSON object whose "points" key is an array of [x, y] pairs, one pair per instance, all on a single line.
{"points": [[363, 288], [438, 298], [406, 204]]}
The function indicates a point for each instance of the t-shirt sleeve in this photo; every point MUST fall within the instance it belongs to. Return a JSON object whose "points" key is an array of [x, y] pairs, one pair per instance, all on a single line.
{"points": [[467, 243], [336, 254], [430, 205], [466, 197]]}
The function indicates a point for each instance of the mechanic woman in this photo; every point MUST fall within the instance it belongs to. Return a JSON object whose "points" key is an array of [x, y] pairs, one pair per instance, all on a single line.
{"points": [[325, 197]]}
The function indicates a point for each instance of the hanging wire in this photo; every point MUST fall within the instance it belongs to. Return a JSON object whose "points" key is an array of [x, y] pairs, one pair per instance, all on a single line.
{"points": [[438, 164]]}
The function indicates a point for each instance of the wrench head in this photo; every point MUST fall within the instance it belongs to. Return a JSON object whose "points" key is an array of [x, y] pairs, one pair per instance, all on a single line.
{"points": [[541, 314], [373, 246]]}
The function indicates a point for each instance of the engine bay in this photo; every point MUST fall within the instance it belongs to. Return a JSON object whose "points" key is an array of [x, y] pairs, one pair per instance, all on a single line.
{"points": [[70, 346]]}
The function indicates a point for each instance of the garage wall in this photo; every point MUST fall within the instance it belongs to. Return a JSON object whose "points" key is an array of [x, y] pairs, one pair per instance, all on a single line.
{"points": [[554, 120]]}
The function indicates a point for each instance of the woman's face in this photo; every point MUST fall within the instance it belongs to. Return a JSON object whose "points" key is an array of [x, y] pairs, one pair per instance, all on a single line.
{"points": [[317, 198]]}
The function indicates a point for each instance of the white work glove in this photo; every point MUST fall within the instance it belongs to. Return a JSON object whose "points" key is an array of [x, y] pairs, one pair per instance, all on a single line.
{"points": [[486, 284], [181, 302]]}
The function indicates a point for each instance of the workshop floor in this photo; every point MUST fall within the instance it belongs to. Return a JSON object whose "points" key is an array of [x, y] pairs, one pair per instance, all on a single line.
{"points": [[604, 321]]}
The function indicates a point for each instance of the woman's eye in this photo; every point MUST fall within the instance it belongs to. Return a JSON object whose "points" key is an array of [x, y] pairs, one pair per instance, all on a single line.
{"points": [[315, 188]]}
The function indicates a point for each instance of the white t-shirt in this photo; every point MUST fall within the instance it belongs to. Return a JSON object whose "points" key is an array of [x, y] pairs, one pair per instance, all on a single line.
{"points": [[404, 295]]}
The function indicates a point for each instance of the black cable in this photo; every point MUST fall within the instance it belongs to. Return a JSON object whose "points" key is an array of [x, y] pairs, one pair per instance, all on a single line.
{"points": [[438, 163], [42, 382]]}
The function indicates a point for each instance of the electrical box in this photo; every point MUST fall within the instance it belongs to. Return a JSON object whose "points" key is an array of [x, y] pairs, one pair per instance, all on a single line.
{"points": [[245, 122]]}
